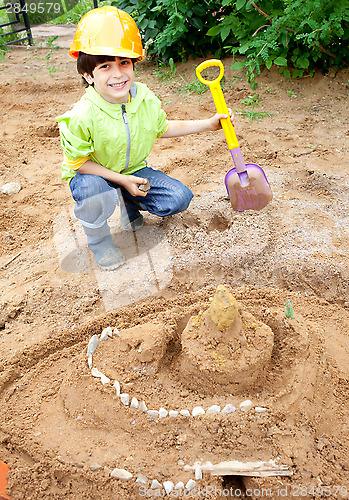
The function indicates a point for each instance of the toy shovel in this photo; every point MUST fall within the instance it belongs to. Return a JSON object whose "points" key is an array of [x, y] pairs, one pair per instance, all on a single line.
{"points": [[247, 185]]}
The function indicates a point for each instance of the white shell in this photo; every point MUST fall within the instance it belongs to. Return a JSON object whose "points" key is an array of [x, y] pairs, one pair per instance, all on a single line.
{"points": [[179, 486], [141, 479], [143, 406], [89, 361], [260, 409], [134, 403], [163, 413], [173, 413], [92, 344], [116, 385], [153, 413], [168, 485], [96, 373], [198, 473], [155, 484], [11, 188], [214, 409], [105, 380], [121, 474], [198, 410], [116, 332], [185, 413], [246, 405], [107, 332], [190, 485], [229, 408], [125, 398]]}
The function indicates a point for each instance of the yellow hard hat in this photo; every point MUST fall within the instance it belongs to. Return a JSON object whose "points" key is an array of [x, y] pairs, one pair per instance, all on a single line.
{"points": [[107, 31]]}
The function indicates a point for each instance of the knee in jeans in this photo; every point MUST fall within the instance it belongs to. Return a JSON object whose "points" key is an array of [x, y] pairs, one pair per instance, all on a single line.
{"points": [[182, 200]]}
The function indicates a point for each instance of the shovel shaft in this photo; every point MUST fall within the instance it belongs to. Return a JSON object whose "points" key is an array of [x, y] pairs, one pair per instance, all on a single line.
{"points": [[219, 100]]}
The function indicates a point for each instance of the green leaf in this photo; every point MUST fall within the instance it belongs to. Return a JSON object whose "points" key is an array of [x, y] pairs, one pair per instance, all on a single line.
{"points": [[237, 65], [280, 61], [287, 74], [240, 4], [269, 64]]}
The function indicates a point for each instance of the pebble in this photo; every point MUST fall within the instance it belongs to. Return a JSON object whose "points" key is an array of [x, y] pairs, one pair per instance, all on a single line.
{"points": [[163, 413], [116, 385], [89, 361], [92, 345], [143, 406], [190, 485], [11, 188], [96, 373], [141, 479], [155, 484], [134, 403], [179, 486], [104, 379], [198, 410], [185, 413], [153, 413], [95, 467], [198, 473], [214, 409], [246, 405], [229, 408], [116, 332], [125, 398], [168, 485], [173, 413], [260, 409], [121, 474], [107, 332]]}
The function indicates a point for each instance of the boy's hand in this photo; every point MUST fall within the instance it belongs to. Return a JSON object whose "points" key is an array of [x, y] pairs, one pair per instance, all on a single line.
{"points": [[131, 182], [216, 120]]}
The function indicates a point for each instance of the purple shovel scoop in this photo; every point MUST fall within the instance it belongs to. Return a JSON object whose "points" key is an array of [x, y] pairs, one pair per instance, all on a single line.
{"points": [[247, 185]]}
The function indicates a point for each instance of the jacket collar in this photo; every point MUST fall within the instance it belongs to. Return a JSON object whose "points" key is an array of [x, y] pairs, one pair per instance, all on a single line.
{"points": [[114, 110]]}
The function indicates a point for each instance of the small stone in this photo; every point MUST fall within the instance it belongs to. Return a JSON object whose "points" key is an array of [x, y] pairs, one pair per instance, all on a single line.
{"points": [[155, 484], [11, 188], [246, 405], [190, 485], [141, 479], [121, 474], [107, 332], [198, 410], [144, 187], [198, 473], [125, 398], [104, 379], [173, 413], [92, 345], [229, 408], [95, 467], [260, 409], [163, 413], [153, 413], [143, 407], [223, 308], [168, 485], [116, 385], [89, 361], [179, 486], [185, 413], [134, 403], [116, 332], [96, 373], [180, 462], [214, 409]]}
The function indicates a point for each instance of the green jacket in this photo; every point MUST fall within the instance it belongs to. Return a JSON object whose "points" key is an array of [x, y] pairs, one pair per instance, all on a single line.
{"points": [[117, 136]]}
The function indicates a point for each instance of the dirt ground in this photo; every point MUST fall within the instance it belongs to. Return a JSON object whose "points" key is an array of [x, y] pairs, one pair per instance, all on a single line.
{"points": [[61, 431]]}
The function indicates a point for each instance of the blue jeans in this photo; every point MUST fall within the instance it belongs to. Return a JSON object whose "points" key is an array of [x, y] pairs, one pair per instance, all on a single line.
{"points": [[96, 198]]}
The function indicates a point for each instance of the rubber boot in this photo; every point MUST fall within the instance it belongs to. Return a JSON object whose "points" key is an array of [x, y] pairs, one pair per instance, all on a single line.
{"points": [[100, 242], [130, 218]]}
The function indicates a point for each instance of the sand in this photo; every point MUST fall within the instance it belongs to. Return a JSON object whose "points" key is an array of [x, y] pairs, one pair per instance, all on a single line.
{"points": [[61, 431]]}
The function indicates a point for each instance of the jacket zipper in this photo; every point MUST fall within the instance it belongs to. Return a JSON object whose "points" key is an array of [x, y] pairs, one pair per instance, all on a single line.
{"points": [[128, 135]]}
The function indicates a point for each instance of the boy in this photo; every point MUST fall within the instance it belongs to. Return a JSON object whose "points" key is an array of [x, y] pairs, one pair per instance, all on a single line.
{"points": [[109, 133]]}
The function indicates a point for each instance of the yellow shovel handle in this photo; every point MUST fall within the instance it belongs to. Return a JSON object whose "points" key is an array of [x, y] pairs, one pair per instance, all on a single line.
{"points": [[219, 100]]}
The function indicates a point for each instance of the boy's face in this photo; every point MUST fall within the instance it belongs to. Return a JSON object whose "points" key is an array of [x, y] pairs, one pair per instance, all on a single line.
{"points": [[113, 79]]}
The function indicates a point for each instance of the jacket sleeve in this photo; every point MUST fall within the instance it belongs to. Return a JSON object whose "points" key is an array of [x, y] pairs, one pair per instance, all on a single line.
{"points": [[162, 123], [75, 132]]}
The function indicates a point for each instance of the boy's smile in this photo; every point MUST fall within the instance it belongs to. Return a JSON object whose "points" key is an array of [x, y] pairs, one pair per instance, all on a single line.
{"points": [[113, 80]]}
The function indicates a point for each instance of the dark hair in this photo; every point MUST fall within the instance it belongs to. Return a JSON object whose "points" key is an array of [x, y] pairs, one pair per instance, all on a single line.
{"points": [[86, 63]]}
